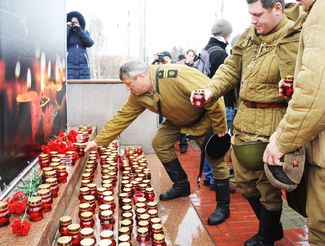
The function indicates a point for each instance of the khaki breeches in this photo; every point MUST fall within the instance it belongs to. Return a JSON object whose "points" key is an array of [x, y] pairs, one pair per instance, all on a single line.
{"points": [[316, 205], [255, 183], [163, 144]]}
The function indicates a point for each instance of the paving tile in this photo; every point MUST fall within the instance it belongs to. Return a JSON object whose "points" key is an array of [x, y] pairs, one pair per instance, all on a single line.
{"points": [[242, 223]]}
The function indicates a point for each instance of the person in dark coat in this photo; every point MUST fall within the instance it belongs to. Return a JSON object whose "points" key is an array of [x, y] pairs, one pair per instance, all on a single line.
{"points": [[220, 32], [78, 39]]}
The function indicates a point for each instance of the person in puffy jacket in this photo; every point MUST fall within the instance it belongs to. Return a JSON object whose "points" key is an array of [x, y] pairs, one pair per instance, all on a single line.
{"points": [[78, 39]]}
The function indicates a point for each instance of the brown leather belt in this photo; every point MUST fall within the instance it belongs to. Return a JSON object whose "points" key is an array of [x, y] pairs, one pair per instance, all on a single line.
{"points": [[249, 104]]}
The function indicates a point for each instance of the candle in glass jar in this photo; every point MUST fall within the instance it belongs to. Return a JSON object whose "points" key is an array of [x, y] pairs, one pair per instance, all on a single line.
{"points": [[198, 98], [65, 221], [4, 214], [35, 208], [47, 199]]}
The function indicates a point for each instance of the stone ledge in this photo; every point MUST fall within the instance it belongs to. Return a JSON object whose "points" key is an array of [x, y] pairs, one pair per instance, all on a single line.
{"points": [[42, 233]]}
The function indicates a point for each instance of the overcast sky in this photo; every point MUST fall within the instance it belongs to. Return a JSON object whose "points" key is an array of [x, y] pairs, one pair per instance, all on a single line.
{"points": [[159, 24]]}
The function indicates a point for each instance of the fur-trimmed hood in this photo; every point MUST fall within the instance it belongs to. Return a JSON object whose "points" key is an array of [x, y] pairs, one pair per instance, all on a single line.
{"points": [[79, 16]]}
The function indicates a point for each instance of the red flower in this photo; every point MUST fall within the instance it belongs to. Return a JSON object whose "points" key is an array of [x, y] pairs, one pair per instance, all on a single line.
{"points": [[72, 136], [17, 203], [20, 228]]}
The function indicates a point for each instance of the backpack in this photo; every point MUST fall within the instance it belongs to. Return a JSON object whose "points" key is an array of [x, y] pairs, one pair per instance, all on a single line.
{"points": [[202, 61]]}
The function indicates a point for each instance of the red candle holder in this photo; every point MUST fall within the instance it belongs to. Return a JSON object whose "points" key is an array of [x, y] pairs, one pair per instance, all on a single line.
{"points": [[65, 221], [47, 199], [198, 98], [287, 86], [74, 232], [4, 214], [87, 220], [35, 208], [106, 220]]}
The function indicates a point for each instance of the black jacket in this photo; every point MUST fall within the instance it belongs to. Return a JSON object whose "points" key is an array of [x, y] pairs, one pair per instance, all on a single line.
{"points": [[217, 58]]}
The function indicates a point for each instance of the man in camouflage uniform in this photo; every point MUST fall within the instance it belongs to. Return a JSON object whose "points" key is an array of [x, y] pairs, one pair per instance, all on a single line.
{"points": [[264, 54], [304, 121], [167, 88]]}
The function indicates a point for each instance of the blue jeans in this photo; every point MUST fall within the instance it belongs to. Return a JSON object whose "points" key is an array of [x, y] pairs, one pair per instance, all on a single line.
{"points": [[229, 114], [208, 176]]}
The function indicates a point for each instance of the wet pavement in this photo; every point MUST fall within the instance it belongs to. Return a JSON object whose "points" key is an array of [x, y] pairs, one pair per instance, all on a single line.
{"points": [[185, 219]]}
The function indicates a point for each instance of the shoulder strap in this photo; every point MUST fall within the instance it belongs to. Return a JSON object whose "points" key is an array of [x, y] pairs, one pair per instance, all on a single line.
{"points": [[213, 49], [157, 89]]}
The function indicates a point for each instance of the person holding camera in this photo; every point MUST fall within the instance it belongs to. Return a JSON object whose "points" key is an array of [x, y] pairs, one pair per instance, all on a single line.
{"points": [[78, 39]]}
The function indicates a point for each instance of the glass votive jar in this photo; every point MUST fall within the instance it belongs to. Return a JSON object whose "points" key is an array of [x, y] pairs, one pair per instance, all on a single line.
{"points": [[35, 208], [65, 221], [137, 195], [145, 217], [121, 196], [108, 235], [105, 242], [110, 201], [153, 213], [147, 174], [143, 236], [64, 241], [89, 129], [91, 200], [104, 207], [152, 205], [106, 220], [72, 154], [87, 242], [158, 240], [127, 223], [198, 98], [47, 200], [155, 220], [44, 187], [45, 170], [143, 223], [126, 201], [124, 238], [54, 186], [141, 205], [85, 182], [92, 188], [4, 214], [49, 174], [87, 233], [44, 160], [124, 231], [109, 187], [157, 229], [127, 209], [139, 212], [100, 196], [127, 216], [74, 232], [87, 220], [54, 165], [61, 174], [83, 191], [87, 176], [83, 207], [150, 194], [128, 191]]}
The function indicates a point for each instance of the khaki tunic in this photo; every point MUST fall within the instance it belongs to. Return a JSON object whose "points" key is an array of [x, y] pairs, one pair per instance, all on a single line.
{"points": [[258, 63], [176, 83], [304, 122]]}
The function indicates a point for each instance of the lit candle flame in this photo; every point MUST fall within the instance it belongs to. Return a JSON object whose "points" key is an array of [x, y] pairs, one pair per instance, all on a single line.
{"points": [[29, 79], [49, 70], [42, 72], [17, 70]]}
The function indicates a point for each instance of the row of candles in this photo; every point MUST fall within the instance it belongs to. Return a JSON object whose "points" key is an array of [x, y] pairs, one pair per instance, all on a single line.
{"points": [[134, 188], [54, 171]]}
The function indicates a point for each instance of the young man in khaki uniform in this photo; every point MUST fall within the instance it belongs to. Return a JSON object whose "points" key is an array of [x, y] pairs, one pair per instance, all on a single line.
{"points": [[263, 55], [166, 89], [304, 121]]}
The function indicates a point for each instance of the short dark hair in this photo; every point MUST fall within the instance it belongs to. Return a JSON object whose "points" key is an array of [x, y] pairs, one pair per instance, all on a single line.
{"points": [[267, 4]]}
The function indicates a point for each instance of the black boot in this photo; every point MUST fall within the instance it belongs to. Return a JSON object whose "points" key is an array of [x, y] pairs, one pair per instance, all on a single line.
{"points": [[223, 201], [183, 144], [256, 205], [181, 186]]}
